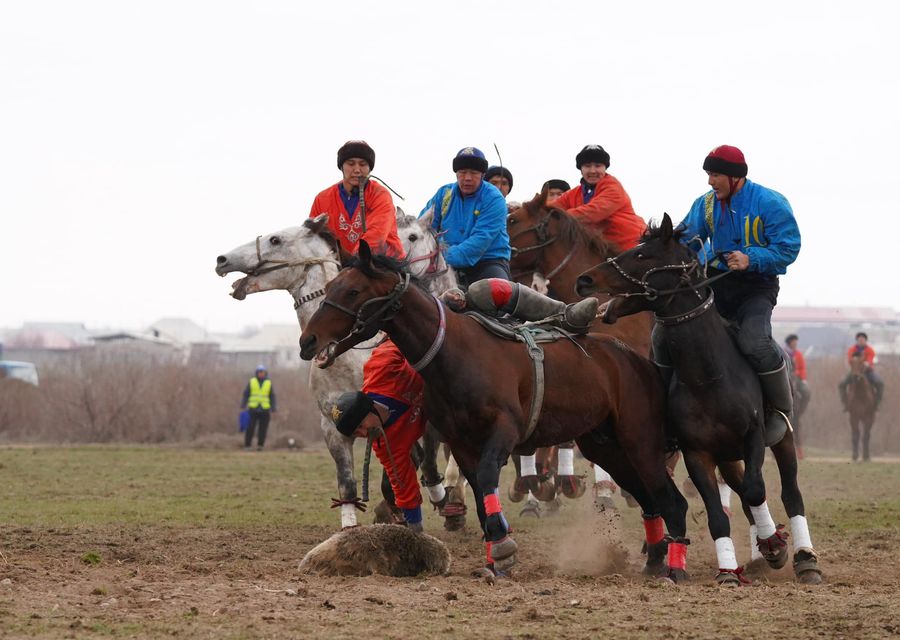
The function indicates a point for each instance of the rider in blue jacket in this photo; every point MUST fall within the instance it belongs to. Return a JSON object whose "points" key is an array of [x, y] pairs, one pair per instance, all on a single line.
{"points": [[749, 231], [471, 215]]}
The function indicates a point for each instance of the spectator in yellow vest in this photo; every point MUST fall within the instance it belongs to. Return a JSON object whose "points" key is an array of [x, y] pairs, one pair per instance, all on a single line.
{"points": [[259, 398]]}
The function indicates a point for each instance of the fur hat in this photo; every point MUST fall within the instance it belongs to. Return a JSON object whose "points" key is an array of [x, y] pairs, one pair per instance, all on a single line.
{"points": [[356, 149], [499, 171], [727, 160], [556, 183], [470, 158], [592, 153], [350, 410]]}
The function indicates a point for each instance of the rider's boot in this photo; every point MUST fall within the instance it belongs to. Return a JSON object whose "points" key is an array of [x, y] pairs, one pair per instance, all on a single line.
{"points": [[495, 296], [776, 388]]}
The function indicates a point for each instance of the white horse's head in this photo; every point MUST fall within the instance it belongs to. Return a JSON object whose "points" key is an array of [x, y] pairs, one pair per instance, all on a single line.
{"points": [[423, 253], [292, 259]]}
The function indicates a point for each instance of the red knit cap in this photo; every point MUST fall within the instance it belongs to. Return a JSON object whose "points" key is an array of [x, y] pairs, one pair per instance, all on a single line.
{"points": [[727, 160]]}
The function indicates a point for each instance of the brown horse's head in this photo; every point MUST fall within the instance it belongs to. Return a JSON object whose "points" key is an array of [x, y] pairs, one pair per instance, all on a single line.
{"points": [[364, 295], [633, 278], [536, 225], [860, 392]]}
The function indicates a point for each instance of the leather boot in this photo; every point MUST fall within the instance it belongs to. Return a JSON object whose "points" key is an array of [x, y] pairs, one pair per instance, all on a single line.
{"points": [[779, 401]]}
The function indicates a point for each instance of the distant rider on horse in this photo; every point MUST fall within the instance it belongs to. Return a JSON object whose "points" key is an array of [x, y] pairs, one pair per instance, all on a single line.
{"points": [[749, 231], [863, 350]]}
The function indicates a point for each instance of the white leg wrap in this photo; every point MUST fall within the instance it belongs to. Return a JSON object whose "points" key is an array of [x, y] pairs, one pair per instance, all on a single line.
{"points": [[800, 533], [348, 515], [600, 475], [566, 466], [725, 553], [754, 549], [528, 465], [765, 526], [436, 493], [725, 495]]}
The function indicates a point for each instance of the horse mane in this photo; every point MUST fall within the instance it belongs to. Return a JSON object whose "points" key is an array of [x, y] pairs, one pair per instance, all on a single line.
{"points": [[380, 263], [574, 234], [323, 231]]}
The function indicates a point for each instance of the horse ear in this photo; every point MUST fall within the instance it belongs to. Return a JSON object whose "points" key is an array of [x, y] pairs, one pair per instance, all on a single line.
{"points": [[543, 195], [428, 218], [365, 253], [665, 228], [318, 223], [400, 214]]}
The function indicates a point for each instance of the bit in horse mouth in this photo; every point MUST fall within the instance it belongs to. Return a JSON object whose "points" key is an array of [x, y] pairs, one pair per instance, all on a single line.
{"points": [[325, 358]]}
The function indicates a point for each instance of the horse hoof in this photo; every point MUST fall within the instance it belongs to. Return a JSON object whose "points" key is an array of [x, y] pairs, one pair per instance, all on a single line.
{"points": [[455, 523], [756, 568], [504, 565], [503, 549], [531, 510], [774, 548], [806, 567], [728, 579], [677, 576], [572, 487], [655, 569], [515, 496], [545, 491]]}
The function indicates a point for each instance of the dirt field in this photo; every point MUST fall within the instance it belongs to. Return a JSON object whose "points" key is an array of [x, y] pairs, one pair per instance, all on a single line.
{"points": [[152, 542]]}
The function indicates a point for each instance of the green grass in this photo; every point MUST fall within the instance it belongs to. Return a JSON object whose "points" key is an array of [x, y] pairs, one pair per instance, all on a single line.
{"points": [[97, 485]]}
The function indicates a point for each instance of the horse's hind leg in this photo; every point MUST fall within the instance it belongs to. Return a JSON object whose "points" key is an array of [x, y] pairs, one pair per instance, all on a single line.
{"points": [[733, 474], [854, 435], [432, 479], [806, 566]]}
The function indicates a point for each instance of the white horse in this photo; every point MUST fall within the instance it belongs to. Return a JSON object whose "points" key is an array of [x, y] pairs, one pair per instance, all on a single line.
{"points": [[301, 260]]}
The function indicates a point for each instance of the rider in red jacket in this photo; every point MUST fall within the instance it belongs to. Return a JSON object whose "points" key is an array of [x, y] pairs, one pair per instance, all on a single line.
{"points": [[600, 202], [863, 350], [342, 204]]}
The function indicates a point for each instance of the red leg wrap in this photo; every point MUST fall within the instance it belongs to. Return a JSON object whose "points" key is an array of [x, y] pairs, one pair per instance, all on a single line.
{"points": [[501, 291], [490, 558], [492, 504], [677, 555], [654, 528]]}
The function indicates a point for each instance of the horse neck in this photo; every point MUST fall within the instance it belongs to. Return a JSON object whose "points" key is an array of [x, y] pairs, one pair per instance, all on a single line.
{"points": [[563, 281], [698, 347], [415, 326], [317, 277]]}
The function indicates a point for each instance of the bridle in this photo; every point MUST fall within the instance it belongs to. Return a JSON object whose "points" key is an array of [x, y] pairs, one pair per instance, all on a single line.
{"points": [[388, 307], [306, 263], [685, 283], [437, 266], [543, 240]]}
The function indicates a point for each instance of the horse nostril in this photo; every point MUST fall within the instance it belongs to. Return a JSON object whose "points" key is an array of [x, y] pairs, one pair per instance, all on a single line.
{"points": [[221, 260]]}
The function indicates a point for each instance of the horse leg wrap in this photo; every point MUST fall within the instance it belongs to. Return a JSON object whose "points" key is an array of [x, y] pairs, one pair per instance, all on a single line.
{"points": [[678, 554], [654, 528], [725, 554], [528, 465], [765, 526], [800, 531], [566, 462]]}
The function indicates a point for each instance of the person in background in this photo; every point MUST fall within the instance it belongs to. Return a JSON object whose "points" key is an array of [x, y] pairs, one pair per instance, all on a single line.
{"points": [[500, 177], [341, 202], [800, 386], [471, 213], [259, 398], [863, 350], [555, 188], [600, 202]]}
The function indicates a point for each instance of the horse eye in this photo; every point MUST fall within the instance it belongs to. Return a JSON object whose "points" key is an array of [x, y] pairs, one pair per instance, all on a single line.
{"points": [[639, 256], [413, 237], [511, 220], [353, 293], [275, 240]]}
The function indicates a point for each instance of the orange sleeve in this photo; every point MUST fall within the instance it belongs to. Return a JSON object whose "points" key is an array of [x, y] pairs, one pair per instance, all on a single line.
{"points": [[609, 198], [567, 200], [870, 355], [800, 365], [381, 220], [319, 205]]}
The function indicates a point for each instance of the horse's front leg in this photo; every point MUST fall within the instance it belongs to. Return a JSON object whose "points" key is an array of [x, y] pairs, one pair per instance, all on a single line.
{"points": [[501, 547], [341, 449]]}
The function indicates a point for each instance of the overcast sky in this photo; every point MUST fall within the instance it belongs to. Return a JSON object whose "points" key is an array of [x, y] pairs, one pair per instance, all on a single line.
{"points": [[139, 140]]}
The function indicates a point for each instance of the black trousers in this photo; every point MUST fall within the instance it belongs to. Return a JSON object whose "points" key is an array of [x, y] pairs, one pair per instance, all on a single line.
{"points": [[257, 417], [493, 268]]}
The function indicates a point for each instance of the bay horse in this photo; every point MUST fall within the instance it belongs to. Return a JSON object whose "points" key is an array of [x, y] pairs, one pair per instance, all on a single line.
{"points": [[549, 242], [301, 260], [860, 407], [478, 395], [715, 401]]}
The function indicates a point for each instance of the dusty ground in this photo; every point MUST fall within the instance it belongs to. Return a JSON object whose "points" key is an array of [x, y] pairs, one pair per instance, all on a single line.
{"points": [[207, 572]]}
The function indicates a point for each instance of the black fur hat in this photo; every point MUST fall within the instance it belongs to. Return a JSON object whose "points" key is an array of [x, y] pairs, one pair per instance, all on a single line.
{"points": [[350, 410], [356, 149], [592, 153]]}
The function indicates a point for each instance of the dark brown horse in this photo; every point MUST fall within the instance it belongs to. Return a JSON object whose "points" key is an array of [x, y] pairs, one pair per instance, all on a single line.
{"points": [[860, 407], [715, 401], [479, 387]]}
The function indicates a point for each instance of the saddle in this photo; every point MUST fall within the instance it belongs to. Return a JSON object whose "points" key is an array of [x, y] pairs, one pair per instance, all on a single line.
{"points": [[532, 335]]}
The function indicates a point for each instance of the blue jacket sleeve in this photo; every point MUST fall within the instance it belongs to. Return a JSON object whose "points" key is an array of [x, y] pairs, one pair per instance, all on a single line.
{"points": [[782, 237], [434, 205], [694, 222], [489, 224]]}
